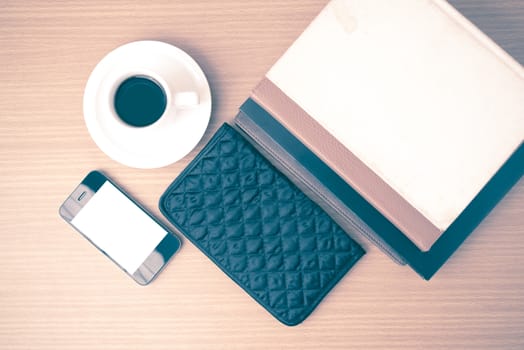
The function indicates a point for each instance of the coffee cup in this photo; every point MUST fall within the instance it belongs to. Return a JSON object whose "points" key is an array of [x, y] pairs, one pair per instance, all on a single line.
{"points": [[147, 104], [142, 100]]}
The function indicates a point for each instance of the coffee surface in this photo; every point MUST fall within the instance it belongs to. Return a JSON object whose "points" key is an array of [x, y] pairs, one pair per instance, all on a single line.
{"points": [[140, 101]]}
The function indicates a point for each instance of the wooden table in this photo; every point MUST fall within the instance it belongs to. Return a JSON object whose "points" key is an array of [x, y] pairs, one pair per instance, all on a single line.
{"points": [[58, 292]]}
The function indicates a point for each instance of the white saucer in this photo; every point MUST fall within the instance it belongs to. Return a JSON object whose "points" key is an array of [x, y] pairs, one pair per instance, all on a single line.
{"points": [[179, 129]]}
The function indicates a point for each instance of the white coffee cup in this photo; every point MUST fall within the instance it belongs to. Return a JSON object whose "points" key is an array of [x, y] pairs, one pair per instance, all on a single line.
{"points": [[178, 124], [144, 99]]}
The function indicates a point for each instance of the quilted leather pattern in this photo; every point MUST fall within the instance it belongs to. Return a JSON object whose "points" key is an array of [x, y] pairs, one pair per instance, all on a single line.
{"points": [[258, 227]]}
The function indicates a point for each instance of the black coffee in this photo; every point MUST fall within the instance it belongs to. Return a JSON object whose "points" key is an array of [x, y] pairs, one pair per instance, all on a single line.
{"points": [[140, 101]]}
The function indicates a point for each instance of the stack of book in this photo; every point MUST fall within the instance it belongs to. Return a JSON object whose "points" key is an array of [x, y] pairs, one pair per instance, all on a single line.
{"points": [[401, 119]]}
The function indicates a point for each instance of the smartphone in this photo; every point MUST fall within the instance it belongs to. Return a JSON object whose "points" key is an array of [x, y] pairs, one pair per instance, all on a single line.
{"points": [[113, 222]]}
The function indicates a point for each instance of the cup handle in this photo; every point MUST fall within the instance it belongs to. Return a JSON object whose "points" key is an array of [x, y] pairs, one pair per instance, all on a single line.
{"points": [[186, 99]]}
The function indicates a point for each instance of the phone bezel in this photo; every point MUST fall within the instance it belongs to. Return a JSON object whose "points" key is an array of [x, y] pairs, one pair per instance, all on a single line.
{"points": [[159, 257]]}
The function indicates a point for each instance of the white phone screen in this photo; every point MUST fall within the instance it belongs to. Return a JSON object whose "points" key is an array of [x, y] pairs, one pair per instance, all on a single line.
{"points": [[119, 227]]}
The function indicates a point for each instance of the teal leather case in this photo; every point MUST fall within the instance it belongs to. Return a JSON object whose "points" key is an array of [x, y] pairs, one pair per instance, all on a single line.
{"points": [[258, 227]]}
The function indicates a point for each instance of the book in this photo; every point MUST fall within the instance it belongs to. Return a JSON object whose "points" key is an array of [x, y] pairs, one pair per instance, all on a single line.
{"points": [[417, 114]]}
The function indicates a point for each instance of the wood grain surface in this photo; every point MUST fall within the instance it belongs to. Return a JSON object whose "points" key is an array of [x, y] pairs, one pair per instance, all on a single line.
{"points": [[58, 292]]}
